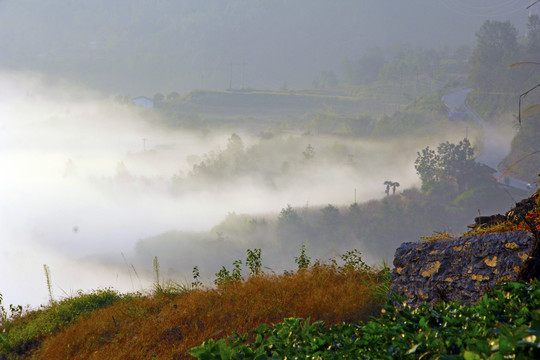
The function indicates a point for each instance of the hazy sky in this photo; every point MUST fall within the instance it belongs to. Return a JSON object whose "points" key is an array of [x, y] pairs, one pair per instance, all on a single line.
{"points": [[134, 47]]}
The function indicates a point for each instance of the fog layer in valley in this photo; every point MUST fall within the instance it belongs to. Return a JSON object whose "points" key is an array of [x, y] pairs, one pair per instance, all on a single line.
{"points": [[84, 177]]}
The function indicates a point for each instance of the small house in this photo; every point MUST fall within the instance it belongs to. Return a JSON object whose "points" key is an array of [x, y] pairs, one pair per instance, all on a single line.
{"points": [[143, 101]]}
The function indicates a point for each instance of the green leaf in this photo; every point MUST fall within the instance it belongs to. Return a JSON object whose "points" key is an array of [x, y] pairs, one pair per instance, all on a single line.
{"points": [[203, 351], [261, 329], [306, 324], [469, 355], [423, 322], [506, 345], [496, 356]]}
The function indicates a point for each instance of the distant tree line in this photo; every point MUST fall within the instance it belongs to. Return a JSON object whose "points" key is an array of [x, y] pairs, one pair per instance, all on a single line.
{"points": [[404, 63], [455, 188]]}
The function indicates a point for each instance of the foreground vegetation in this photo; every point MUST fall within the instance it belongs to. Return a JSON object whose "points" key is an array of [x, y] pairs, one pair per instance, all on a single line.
{"points": [[346, 298], [176, 317], [503, 325], [270, 317], [334, 310]]}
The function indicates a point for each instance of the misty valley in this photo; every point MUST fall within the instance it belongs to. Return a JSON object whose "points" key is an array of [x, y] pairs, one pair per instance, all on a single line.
{"points": [[160, 182], [144, 144]]}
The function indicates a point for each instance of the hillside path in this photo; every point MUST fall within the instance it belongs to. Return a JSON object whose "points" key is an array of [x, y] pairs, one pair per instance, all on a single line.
{"points": [[496, 145]]}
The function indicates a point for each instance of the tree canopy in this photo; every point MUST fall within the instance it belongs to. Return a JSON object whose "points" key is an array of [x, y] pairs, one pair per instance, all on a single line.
{"points": [[450, 164], [497, 47]]}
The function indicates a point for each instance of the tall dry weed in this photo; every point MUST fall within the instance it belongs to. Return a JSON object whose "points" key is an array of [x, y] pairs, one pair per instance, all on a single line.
{"points": [[165, 328]]}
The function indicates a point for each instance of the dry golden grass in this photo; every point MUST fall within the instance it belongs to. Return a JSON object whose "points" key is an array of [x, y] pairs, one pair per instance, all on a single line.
{"points": [[165, 327]]}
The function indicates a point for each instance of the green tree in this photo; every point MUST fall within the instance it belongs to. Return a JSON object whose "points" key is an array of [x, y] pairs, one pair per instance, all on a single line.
{"points": [[158, 99], [254, 261], [451, 163], [427, 165], [330, 216], [533, 38], [496, 48], [309, 153], [289, 216], [173, 96], [301, 260], [354, 210], [235, 144]]}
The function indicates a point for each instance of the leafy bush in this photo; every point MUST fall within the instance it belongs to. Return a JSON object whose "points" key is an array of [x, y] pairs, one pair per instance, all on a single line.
{"points": [[302, 260], [253, 262], [505, 324]]}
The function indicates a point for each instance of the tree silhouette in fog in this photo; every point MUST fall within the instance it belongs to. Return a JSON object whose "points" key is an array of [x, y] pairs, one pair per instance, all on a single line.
{"points": [[309, 153]]}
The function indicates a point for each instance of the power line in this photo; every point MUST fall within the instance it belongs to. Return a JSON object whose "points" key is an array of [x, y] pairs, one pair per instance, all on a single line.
{"points": [[537, 1]]}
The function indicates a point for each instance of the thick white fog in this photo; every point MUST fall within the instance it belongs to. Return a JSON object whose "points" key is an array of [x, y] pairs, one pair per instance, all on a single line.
{"points": [[84, 177]]}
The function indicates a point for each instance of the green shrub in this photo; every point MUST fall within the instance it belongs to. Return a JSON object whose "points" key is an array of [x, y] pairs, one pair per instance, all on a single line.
{"points": [[505, 324]]}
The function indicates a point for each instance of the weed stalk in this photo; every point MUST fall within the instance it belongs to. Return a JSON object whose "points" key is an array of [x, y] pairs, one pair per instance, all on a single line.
{"points": [[49, 284]]}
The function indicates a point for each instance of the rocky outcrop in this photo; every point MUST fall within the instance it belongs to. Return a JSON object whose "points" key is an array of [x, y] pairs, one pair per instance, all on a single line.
{"points": [[463, 268]]}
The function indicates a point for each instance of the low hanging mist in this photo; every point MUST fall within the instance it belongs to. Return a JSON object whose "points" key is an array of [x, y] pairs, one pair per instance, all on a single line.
{"points": [[96, 188], [86, 180]]}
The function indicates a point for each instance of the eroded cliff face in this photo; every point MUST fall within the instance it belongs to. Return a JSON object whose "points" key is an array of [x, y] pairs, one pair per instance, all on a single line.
{"points": [[463, 268]]}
